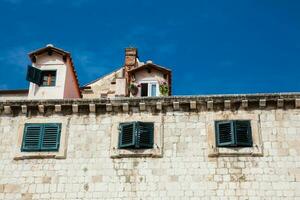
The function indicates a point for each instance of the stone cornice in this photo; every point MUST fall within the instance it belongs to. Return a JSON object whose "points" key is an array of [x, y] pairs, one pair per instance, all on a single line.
{"points": [[154, 104]]}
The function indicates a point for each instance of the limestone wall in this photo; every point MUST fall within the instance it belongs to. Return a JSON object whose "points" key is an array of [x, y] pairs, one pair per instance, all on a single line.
{"points": [[105, 86], [184, 171], [4, 97]]}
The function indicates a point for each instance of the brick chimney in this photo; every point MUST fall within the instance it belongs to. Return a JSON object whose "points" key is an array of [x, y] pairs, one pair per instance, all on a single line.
{"points": [[131, 56]]}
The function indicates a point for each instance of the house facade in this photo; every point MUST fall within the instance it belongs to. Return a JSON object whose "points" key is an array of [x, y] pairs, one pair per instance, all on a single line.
{"points": [[124, 136]]}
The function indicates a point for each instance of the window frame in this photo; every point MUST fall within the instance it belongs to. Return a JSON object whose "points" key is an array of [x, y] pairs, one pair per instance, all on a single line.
{"points": [[156, 151], [234, 143], [62, 150], [40, 147], [136, 135], [49, 72], [215, 151], [149, 84]]}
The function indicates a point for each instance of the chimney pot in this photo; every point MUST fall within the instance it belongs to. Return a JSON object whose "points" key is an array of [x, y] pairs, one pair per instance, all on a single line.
{"points": [[149, 61]]}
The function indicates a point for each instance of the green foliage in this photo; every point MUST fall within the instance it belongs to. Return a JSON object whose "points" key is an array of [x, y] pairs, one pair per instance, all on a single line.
{"points": [[164, 88]]}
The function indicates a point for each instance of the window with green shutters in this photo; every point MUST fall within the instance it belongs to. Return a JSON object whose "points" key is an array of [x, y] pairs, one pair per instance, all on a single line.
{"points": [[34, 75], [136, 135], [41, 78], [41, 137], [235, 133]]}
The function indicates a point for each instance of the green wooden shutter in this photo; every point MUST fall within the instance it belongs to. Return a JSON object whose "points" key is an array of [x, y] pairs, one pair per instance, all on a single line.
{"points": [[224, 133], [127, 135], [145, 135], [32, 137], [243, 133], [51, 137], [34, 75]]}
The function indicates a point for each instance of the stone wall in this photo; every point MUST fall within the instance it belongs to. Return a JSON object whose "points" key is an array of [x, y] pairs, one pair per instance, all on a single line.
{"points": [[21, 96], [105, 86], [184, 171]]}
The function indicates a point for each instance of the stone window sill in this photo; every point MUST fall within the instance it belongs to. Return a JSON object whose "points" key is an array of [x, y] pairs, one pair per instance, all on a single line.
{"points": [[39, 155], [123, 153], [245, 151], [61, 154]]}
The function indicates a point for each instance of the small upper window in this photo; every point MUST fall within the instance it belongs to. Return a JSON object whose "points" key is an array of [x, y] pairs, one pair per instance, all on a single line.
{"points": [[48, 78], [40, 77], [136, 135], [149, 89], [41, 137], [235, 133]]}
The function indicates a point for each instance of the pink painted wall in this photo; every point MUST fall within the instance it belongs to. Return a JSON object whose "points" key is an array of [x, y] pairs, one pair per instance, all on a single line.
{"points": [[71, 90], [46, 62], [144, 76]]}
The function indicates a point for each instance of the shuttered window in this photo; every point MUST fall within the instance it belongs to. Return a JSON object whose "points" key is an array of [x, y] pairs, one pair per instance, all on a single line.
{"points": [[41, 78], [136, 135], [41, 137], [233, 133], [34, 75]]}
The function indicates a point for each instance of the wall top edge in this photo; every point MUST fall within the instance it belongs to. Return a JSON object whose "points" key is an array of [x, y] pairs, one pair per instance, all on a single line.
{"points": [[154, 100]]}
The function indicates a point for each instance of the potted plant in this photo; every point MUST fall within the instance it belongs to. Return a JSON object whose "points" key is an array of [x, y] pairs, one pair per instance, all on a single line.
{"points": [[133, 89], [164, 88]]}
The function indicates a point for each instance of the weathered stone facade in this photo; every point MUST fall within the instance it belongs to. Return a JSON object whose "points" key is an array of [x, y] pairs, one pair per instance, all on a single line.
{"points": [[186, 169]]}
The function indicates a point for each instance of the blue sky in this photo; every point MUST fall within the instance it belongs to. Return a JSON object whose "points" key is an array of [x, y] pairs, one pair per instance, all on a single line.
{"points": [[213, 47]]}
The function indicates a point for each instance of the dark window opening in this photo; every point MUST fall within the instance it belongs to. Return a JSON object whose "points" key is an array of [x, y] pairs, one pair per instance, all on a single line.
{"points": [[144, 89]]}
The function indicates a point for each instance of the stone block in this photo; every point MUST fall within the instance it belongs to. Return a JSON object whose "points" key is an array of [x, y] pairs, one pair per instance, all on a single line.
{"points": [[158, 105], [46, 179], [297, 103], [280, 103], [245, 103], [97, 179], [262, 103], [57, 108], [193, 105], [24, 109], [176, 105], [227, 104], [142, 106], [109, 107], [12, 188], [41, 108], [7, 110], [210, 105], [125, 107], [27, 196], [75, 108], [92, 108]]}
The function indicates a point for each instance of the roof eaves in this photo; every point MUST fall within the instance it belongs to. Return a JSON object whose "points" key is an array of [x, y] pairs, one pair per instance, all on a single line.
{"points": [[149, 65], [44, 49]]}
